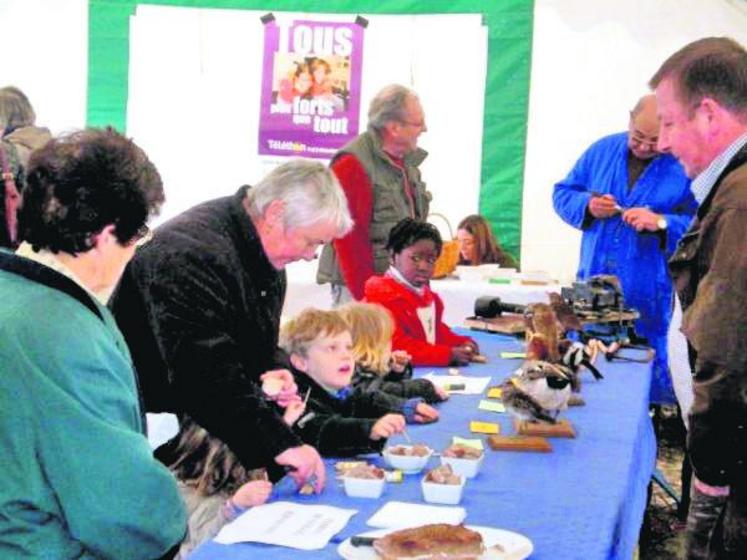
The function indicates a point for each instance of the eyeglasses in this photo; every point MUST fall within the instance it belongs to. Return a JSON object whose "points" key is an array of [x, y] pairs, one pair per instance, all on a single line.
{"points": [[419, 124], [644, 142]]}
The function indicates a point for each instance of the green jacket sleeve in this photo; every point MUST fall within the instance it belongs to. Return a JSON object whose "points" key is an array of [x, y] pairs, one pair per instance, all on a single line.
{"points": [[113, 496]]}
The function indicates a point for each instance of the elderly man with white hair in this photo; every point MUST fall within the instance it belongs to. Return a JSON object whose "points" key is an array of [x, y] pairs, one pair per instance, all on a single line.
{"points": [[200, 308]]}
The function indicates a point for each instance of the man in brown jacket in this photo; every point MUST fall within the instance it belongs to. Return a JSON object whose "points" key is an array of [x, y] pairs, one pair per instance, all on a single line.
{"points": [[702, 95]]}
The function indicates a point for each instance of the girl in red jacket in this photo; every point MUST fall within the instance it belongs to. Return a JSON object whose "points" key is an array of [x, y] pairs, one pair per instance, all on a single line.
{"points": [[413, 249]]}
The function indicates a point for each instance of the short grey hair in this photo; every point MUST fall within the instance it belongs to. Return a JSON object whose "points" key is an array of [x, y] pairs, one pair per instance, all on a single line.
{"points": [[388, 105], [311, 194], [15, 109]]}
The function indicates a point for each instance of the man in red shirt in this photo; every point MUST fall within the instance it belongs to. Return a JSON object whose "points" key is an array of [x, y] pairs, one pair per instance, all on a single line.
{"points": [[378, 171]]}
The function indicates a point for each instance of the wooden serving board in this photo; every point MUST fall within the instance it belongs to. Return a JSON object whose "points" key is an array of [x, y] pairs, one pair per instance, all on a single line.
{"points": [[519, 443], [563, 429], [505, 324]]}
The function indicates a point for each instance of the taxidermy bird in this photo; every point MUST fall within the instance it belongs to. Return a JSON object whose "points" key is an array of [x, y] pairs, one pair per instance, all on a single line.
{"points": [[567, 318], [522, 406], [540, 319], [544, 343], [539, 391], [577, 355]]}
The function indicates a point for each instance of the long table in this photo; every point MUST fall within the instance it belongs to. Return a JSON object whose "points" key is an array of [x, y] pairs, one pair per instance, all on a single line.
{"points": [[584, 500], [458, 295]]}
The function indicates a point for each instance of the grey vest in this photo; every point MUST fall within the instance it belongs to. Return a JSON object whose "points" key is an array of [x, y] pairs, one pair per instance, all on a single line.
{"points": [[389, 206]]}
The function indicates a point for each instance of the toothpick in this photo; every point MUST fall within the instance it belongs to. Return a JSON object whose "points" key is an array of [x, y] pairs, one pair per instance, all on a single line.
{"points": [[407, 437]]}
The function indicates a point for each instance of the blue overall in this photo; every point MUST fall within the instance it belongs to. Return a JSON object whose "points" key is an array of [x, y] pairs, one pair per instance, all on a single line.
{"points": [[609, 246]]}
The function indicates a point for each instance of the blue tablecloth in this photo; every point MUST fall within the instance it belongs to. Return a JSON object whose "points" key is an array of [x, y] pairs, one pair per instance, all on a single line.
{"points": [[584, 500]]}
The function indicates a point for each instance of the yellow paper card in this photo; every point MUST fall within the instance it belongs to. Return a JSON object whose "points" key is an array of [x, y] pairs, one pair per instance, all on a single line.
{"points": [[475, 443], [495, 393], [484, 427]]}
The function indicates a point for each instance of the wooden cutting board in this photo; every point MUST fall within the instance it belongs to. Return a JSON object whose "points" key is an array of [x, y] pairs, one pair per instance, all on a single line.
{"points": [[519, 443]]}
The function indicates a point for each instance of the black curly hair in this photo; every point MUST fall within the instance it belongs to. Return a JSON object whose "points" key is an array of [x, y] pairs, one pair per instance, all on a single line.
{"points": [[79, 183], [408, 232]]}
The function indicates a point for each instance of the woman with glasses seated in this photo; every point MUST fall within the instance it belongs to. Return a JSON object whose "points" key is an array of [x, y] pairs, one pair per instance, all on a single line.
{"points": [[478, 245]]}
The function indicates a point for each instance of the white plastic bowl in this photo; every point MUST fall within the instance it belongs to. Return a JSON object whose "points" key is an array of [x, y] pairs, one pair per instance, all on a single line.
{"points": [[435, 493], [409, 464], [467, 468], [363, 487]]}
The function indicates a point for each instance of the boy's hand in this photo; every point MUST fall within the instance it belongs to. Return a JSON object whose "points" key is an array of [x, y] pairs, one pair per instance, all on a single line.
{"points": [[400, 359], [460, 355], [278, 385], [294, 411], [254, 493], [304, 463], [441, 393], [425, 413], [386, 426], [472, 344]]}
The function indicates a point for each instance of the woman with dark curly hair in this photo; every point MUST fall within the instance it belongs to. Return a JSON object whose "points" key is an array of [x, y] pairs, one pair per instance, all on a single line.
{"points": [[79, 479], [478, 245]]}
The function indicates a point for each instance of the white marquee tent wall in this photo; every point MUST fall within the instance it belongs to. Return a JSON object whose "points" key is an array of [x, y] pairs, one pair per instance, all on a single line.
{"points": [[591, 61]]}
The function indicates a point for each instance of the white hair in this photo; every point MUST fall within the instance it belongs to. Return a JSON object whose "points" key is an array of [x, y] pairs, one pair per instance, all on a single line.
{"points": [[310, 192], [388, 105]]}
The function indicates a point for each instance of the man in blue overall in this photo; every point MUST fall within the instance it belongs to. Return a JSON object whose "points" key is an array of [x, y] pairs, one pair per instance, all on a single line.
{"points": [[632, 205]]}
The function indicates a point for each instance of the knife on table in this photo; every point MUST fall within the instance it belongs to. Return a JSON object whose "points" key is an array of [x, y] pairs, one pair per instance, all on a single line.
{"points": [[357, 540]]}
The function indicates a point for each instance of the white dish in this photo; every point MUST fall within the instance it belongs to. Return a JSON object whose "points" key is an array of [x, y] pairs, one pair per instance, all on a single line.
{"points": [[464, 467], [539, 276], [498, 272], [515, 545], [363, 487], [435, 493], [408, 464], [468, 273]]}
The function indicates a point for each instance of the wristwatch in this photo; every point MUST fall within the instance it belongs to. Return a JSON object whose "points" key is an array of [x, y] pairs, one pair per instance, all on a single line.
{"points": [[661, 223]]}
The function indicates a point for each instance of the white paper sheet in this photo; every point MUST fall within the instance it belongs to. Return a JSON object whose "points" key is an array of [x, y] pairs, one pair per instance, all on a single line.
{"points": [[472, 385], [403, 514], [287, 524]]}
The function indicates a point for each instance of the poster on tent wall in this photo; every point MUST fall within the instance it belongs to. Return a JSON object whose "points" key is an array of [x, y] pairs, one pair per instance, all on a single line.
{"points": [[311, 83]]}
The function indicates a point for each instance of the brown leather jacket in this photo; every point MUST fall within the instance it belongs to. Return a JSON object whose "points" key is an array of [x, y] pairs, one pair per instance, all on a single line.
{"points": [[709, 270]]}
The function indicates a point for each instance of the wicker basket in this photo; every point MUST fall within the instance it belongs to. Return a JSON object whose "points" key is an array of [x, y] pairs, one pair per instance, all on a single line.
{"points": [[449, 258]]}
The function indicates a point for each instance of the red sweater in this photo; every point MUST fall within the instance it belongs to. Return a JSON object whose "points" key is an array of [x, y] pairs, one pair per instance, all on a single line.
{"points": [[409, 334], [354, 251]]}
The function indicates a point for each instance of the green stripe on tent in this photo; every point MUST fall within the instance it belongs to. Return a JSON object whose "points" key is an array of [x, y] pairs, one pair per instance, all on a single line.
{"points": [[506, 96]]}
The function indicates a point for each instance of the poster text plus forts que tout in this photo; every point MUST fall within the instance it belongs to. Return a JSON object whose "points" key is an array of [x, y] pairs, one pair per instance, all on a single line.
{"points": [[311, 84]]}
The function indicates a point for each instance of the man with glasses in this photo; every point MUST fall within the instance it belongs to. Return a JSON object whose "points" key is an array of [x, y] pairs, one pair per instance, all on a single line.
{"points": [[632, 205], [379, 173]]}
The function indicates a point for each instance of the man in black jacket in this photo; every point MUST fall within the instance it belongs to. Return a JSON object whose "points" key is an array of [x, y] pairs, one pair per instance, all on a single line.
{"points": [[200, 308]]}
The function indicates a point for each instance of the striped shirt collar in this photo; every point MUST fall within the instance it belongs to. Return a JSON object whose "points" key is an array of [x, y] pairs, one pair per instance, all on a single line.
{"points": [[703, 183]]}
